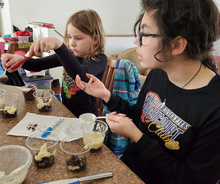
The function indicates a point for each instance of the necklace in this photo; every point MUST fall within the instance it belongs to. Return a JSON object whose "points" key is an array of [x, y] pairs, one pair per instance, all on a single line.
{"points": [[165, 100]]}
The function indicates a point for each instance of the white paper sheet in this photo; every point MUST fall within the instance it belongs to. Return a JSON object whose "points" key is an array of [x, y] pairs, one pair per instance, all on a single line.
{"points": [[33, 122]]}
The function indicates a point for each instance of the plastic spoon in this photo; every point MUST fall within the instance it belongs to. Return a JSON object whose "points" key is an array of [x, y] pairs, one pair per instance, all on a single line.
{"points": [[19, 64], [4, 77], [85, 178], [101, 117], [97, 122]]}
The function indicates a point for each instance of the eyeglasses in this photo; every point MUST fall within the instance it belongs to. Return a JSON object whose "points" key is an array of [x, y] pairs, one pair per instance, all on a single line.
{"points": [[143, 37]]}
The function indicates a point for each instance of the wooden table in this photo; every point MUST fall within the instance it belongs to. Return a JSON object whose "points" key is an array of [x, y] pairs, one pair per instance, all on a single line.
{"points": [[103, 161]]}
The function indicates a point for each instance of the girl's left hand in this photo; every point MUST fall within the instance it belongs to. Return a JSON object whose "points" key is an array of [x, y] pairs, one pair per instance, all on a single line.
{"points": [[44, 45], [123, 125]]}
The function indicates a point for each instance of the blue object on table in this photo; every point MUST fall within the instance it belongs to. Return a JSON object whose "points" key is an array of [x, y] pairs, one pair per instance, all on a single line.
{"points": [[77, 182], [58, 96], [47, 131]]}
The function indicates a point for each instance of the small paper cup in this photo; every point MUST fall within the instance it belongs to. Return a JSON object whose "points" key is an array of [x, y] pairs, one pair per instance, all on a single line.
{"points": [[96, 131], [43, 149], [44, 99], [10, 105], [76, 152]]}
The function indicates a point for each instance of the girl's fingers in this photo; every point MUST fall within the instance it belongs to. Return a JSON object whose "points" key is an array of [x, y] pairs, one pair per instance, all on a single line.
{"points": [[79, 83], [31, 50], [89, 84], [37, 48], [121, 115], [42, 47], [113, 117], [89, 75], [47, 48], [113, 113]]}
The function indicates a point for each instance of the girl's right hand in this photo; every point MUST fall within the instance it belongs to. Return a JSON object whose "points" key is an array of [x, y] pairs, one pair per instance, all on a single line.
{"points": [[123, 125], [10, 59], [44, 45], [94, 87]]}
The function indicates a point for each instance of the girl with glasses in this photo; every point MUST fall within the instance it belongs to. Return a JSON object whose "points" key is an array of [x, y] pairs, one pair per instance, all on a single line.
{"points": [[175, 124]]}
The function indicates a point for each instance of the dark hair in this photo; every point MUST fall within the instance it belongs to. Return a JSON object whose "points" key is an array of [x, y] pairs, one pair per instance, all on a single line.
{"points": [[195, 20]]}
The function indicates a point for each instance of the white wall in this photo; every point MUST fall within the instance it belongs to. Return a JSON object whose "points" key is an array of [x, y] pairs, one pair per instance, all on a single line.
{"points": [[115, 45], [118, 16], [5, 24], [217, 43]]}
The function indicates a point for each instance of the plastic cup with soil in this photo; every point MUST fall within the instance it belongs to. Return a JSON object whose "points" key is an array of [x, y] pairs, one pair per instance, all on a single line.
{"points": [[76, 152], [28, 91], [96, 130], [10, 105], [2, 92], [43, 149], [44, 99]]}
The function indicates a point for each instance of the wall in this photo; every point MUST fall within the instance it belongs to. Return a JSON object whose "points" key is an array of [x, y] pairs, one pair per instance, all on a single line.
{"points": [[116, 44], [118, 16], [5, 17], [217, 43]]}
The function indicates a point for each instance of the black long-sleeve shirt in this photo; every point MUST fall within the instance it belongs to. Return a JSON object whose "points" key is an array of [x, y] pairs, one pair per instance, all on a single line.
{"points": [[76, 100], [181, 141]]}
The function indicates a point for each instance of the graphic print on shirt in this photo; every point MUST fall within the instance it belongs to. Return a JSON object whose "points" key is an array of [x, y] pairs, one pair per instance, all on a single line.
{"points": [[162, 121], [69, 85]]}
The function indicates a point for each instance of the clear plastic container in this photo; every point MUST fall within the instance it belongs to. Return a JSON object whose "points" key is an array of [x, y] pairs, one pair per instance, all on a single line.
{"points": [[2, 92], [76, 152], [23, 39], [10, 105], [28, 91], [43, 149], [14, 158], [96, 131], [44, 99]]}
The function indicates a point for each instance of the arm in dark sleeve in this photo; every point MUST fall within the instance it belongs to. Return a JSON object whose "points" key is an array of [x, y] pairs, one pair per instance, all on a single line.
{"points": [[120, 105], [42, 63], [73, 67]]}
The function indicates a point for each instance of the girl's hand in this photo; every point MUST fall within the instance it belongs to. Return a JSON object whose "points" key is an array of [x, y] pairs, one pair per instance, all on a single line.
{"points": [[94, 87], [123, 125], [44, 45], [10, 59]]}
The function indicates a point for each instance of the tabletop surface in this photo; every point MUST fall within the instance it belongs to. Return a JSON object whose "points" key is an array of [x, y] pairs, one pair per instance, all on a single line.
{"points": [[100, 162]]}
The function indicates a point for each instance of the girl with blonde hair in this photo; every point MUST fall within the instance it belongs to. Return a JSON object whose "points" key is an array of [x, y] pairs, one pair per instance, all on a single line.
{"points": [[82, 52]]}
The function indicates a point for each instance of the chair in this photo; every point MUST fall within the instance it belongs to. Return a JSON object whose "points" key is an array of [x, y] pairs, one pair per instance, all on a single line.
{"points": [[127, 84], [108, 81]]}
